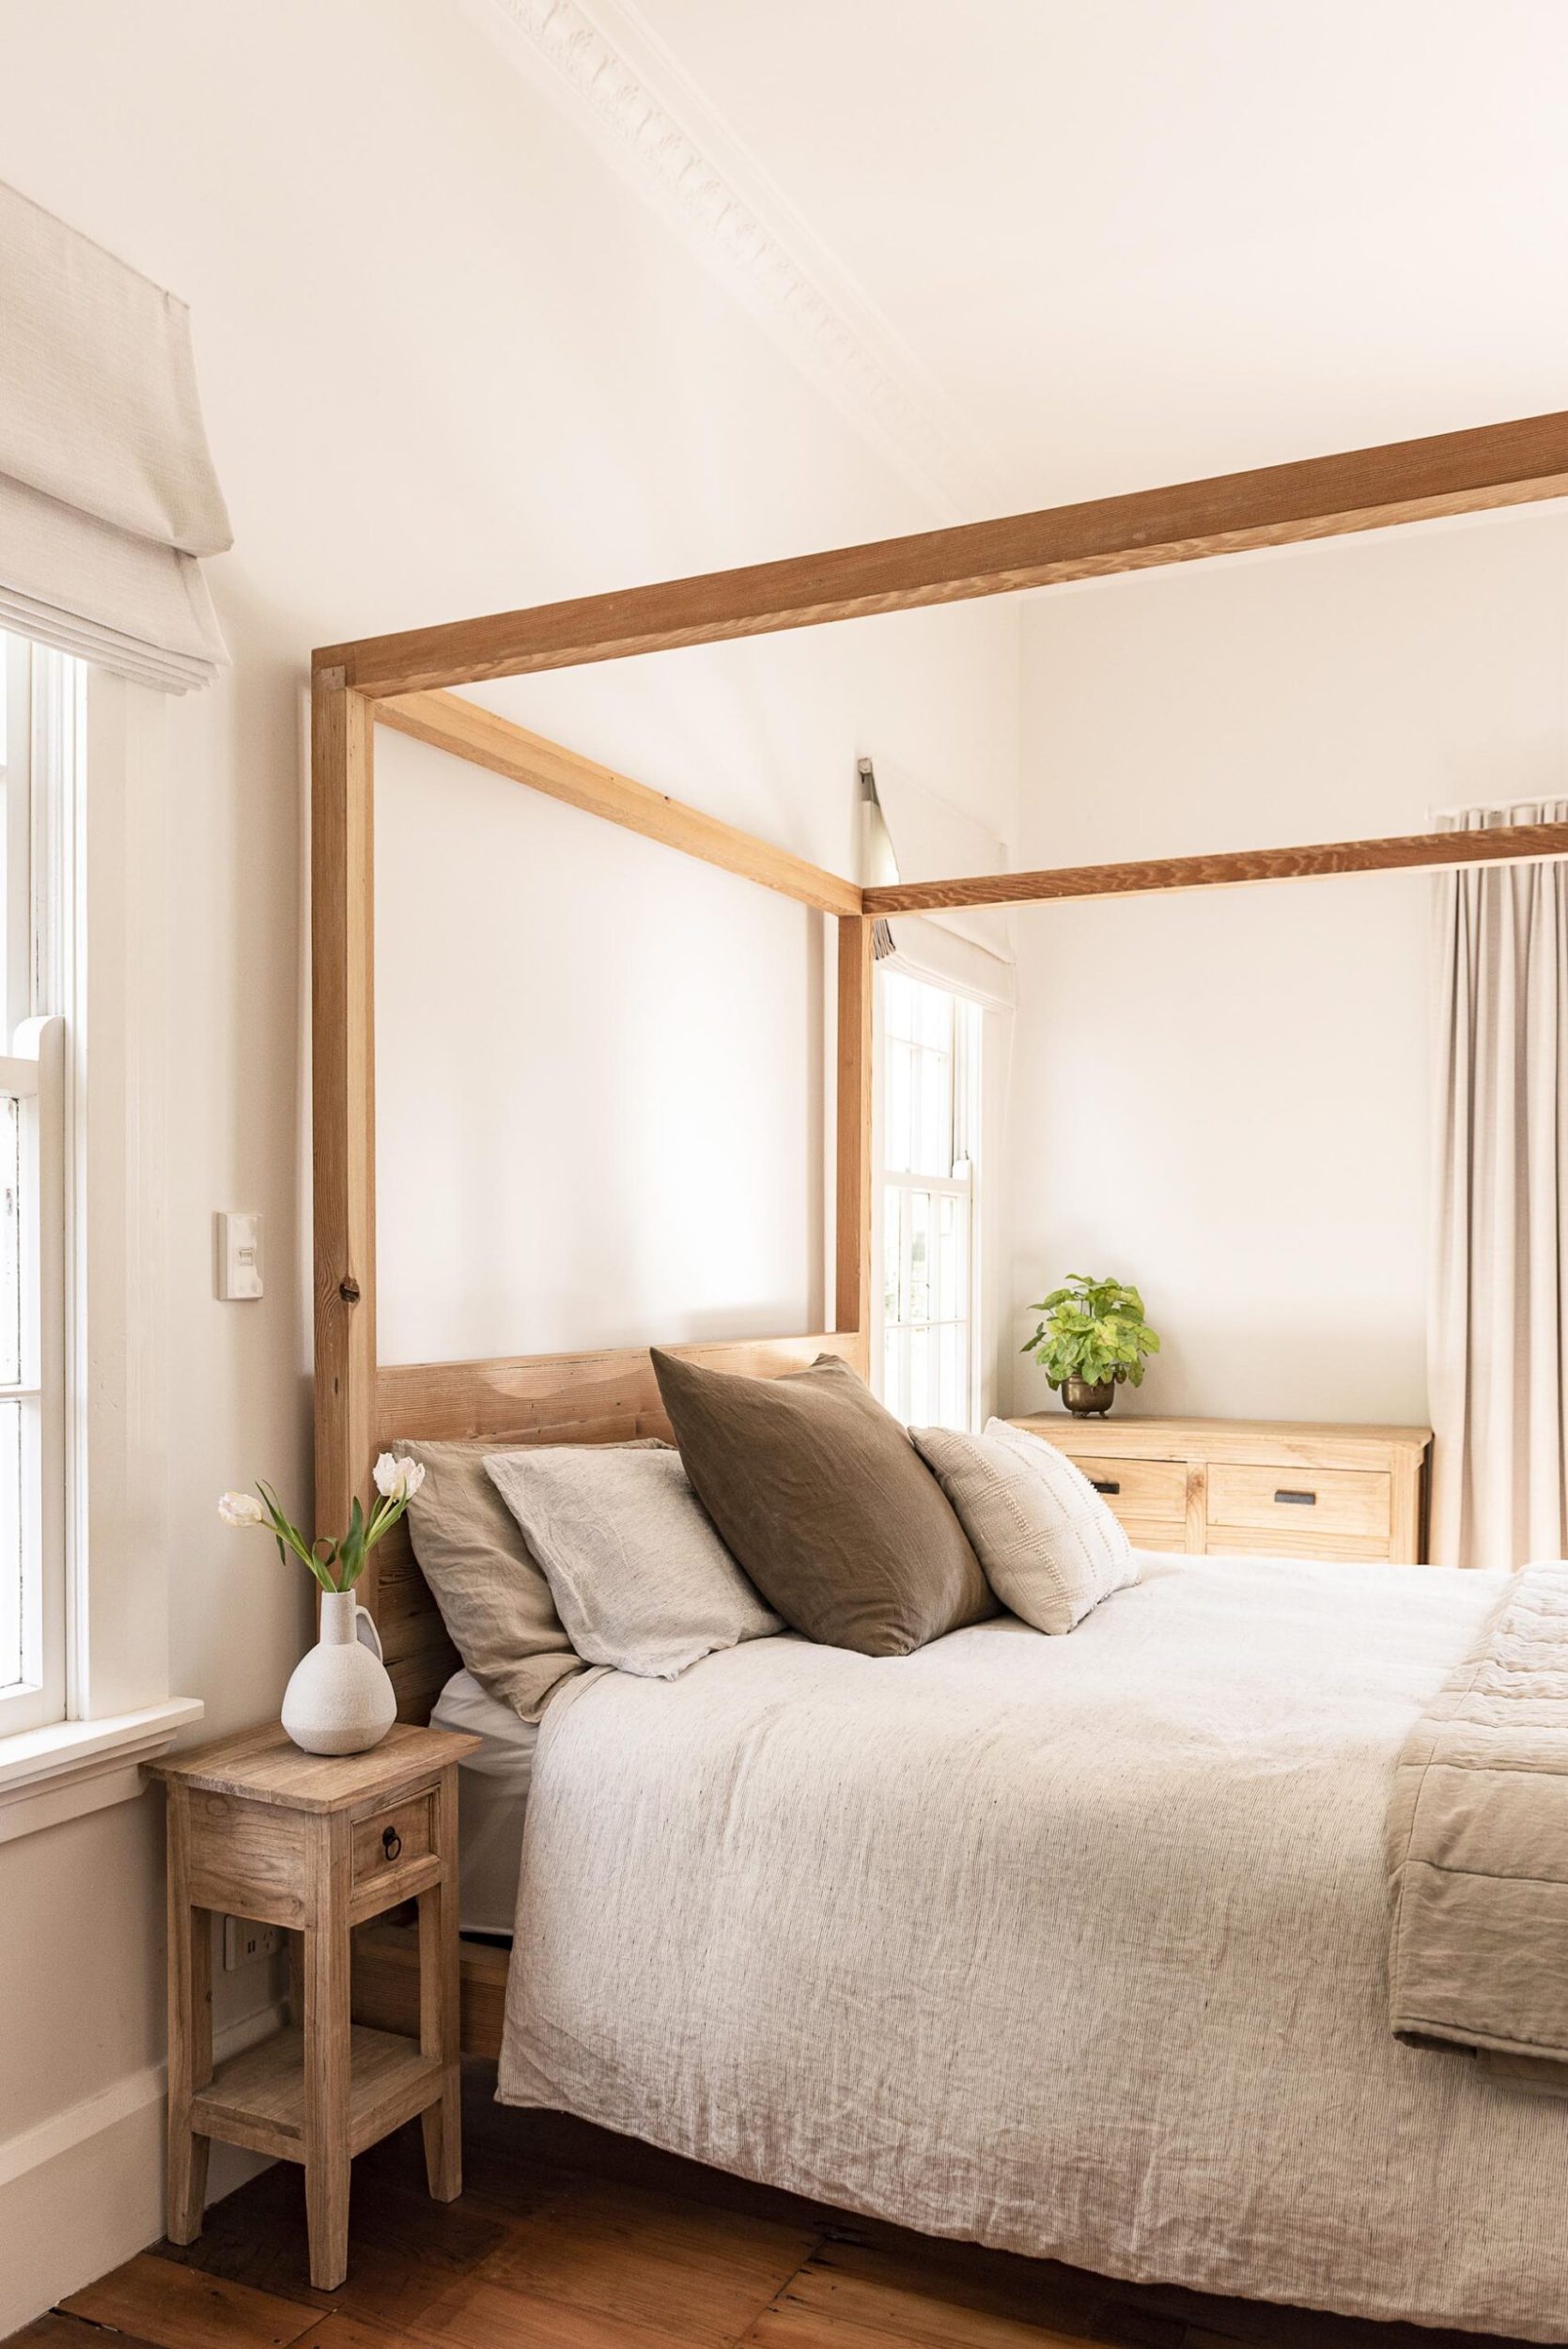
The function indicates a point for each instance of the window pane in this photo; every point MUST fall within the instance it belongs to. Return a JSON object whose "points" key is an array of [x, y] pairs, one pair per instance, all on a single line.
{"points": [[933, 1007], [929, 1042], [11, 1555], [898, 1004], [932, 1151], [952, 1403], [918, 1410], [919, 1304], [896, 1115], [11, 1243], [891, 1247], [946, 1304]]}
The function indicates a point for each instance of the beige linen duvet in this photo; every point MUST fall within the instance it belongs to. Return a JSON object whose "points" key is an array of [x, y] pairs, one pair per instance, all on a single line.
{"points": [[1076, 1946]]}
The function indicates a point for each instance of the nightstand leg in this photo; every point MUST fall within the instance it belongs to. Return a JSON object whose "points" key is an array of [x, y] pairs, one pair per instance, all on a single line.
{"points": [[440, 2008], [327, 2055], [190, 2030]]}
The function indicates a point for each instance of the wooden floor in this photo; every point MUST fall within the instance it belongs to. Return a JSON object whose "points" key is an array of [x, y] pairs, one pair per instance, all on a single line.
{"points": [[569, 2239]]}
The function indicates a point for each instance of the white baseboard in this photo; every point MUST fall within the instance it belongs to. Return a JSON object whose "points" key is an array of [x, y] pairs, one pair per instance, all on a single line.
{"points": [[84, 2190]]}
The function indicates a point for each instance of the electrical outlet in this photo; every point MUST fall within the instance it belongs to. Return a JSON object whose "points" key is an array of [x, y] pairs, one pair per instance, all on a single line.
{"points": [[245, 1942]]}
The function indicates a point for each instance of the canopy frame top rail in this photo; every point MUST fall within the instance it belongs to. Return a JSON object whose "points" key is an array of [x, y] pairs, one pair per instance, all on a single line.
{"points": [[1273, 505], [403, 682]]}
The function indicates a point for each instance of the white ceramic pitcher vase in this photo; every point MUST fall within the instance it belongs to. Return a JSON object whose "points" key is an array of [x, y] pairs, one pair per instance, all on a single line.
{"points": [[339, 1699]]}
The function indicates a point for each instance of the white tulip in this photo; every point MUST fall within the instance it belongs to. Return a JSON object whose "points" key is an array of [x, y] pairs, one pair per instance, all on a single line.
{"points": [[399, 1480], [241, 1509]]}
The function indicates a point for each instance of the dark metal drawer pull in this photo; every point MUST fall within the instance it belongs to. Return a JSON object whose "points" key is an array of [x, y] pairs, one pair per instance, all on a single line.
{"points": [[1105, 1484], [1298, 1500], [392, 1842]]}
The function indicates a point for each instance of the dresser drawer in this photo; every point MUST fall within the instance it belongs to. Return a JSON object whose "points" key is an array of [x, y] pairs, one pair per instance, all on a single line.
{"points": [[1150, 1491], [1229, 1540], [391, 1840], [1154, 1533], [1306, 1505]]}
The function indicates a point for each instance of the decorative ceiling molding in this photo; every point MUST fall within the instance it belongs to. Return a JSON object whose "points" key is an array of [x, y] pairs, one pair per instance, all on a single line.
{"points": [[674, 145]]}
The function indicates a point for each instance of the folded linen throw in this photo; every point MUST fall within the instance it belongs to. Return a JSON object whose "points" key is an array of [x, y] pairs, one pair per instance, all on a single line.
{"points": [[1477, 1848]]}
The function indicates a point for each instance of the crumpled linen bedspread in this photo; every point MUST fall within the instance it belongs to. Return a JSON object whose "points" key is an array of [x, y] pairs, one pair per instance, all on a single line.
{"points": [[1073, 1946], [1478, 1847]]}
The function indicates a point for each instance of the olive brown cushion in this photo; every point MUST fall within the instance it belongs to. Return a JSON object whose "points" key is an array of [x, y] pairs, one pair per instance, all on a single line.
{"points": [[826, 1504]]}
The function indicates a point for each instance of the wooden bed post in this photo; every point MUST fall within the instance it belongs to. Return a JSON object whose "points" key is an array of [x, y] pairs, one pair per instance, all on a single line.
{"points": [[852, 1283], [344, 1095]]}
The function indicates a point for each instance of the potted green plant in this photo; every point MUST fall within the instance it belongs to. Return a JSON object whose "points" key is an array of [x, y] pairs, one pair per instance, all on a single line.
{"points": [[1093, 1335]]}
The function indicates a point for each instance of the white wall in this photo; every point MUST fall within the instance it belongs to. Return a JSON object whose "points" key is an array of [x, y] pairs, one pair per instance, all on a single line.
{"points": [[614, 1128], [448, 364], [1223, 1096]]}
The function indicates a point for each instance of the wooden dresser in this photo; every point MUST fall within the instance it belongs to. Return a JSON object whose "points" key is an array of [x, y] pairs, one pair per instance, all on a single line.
{"points": [[1293, 1488]]}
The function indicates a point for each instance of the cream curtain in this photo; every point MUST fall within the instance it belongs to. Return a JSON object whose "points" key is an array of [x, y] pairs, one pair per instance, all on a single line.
{"points": [[1499, 1287], [108, 498]]}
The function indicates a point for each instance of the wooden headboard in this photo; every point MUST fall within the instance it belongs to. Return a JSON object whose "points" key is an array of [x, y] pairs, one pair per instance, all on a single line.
{"points": [[546, 1398]]}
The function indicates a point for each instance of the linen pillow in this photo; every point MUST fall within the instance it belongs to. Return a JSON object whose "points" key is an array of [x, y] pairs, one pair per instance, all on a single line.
{"points": [[491, 1589], [823, 1499], [1050, 1548], [640, 1579]]}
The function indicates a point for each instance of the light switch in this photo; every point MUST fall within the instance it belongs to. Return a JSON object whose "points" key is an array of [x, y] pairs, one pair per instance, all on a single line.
{"points": [[239, 1255]]}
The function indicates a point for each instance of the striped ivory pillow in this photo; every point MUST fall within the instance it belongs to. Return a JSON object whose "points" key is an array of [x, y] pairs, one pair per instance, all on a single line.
{"points": [[1050, 1546]]}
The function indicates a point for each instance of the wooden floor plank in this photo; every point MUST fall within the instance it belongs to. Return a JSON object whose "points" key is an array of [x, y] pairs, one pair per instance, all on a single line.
{"points": [[54, 2331], [794, 2324], [487, 2316], [337, 2330], [569, 2237], [404, 2249], [180, 2308], [698, 2275]]}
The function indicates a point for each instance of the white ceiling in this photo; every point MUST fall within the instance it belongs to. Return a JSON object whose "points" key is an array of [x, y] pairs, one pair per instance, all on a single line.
{"points": [[1114, 242]]}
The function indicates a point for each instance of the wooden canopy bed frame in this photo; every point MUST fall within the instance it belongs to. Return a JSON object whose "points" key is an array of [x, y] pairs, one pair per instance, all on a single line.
{"points": [[404, 682]]}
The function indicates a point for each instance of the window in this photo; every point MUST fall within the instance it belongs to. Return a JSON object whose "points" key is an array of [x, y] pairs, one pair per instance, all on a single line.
{"points": [[41, 693], [929, 1126]]}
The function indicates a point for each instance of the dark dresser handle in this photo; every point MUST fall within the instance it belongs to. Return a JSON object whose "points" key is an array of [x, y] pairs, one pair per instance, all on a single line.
{"points": [[392, 1842], [1298, 1500], [1105, 1484]]}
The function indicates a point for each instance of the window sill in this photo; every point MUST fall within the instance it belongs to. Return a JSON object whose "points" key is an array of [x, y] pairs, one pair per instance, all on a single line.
{"points": [[50, 1775]]}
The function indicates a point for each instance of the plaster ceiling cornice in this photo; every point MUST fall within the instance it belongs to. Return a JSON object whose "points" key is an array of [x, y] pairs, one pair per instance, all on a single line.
{"points": [[677, 149]]}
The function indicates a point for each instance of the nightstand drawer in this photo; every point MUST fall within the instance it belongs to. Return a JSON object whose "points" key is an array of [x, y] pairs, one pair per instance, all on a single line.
{"points": [[1303, 1501], [1146, 1489], [389, 1841]]}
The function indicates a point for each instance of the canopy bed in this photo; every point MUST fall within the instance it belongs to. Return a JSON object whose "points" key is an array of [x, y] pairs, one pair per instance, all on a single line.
{"points": [[1189, 2031]]}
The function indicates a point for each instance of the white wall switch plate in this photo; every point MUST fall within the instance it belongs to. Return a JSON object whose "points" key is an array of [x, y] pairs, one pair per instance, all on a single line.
{"points": [[245, 1942], [239, 1255]]}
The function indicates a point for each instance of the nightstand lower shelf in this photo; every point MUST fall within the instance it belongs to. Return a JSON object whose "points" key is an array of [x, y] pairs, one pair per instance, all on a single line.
{"points": [[257, 2099]]}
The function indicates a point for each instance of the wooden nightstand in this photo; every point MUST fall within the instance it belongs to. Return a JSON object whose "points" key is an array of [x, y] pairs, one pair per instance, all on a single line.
{"points": [[315, 1844]]}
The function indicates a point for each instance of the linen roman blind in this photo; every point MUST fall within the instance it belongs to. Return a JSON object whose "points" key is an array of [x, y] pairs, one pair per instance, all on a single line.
{"points": [[908, 833], [108, 498]]}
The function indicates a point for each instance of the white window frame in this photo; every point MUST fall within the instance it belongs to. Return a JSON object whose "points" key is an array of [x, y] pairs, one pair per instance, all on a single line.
{"points": [[97, 865], [32, 1077], [962, 1182]]}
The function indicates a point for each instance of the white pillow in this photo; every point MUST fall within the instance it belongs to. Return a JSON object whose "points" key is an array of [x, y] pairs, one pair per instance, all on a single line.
{"points": [[640, 1579], [1050, 1546]]}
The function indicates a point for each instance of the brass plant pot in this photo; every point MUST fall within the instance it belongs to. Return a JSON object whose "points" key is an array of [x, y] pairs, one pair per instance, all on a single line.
{"points": [[1086, 1400]]}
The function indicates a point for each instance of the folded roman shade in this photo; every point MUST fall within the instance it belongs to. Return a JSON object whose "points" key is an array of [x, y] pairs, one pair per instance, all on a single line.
{"points": [[910, 834], [108, 498]]}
